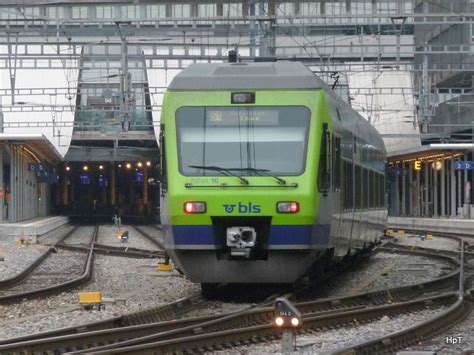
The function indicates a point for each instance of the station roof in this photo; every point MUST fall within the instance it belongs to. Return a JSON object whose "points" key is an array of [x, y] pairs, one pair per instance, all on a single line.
{"points": [[38, 144], [429, 151]]}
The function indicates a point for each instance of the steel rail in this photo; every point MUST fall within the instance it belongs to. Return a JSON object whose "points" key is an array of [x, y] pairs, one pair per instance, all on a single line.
{"points": [[224, 321], [451, 253], [216, 340], [160, 313], [85, 277], [148, 236], [22, 275], [116, 251], [455, 236], [190, 327], [418, 332]]}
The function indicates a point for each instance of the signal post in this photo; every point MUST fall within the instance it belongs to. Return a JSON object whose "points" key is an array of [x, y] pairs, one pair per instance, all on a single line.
{"points": [[288, 318]]}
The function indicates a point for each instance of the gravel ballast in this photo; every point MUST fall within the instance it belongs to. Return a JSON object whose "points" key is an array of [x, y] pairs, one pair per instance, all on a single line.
{"points": [[141, 286]]}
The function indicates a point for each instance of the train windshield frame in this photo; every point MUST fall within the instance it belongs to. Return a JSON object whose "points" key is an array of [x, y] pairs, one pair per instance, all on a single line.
{"points": [[271, 138]]}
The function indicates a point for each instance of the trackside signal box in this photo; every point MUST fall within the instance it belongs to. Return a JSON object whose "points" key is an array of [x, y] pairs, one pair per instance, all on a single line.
{"points": [[288, 318], [286, 314]]}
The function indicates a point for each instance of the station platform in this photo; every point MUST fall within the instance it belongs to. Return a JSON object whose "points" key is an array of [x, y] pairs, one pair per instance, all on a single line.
{"points": [[441, 224], [31, 228]]}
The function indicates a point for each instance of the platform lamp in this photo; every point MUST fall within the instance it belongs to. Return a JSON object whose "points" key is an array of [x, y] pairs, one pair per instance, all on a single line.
{"points": [[288, 318]]}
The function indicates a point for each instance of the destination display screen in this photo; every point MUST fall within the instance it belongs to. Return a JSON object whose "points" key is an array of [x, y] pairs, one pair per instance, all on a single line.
{"points": [[223, 116]]}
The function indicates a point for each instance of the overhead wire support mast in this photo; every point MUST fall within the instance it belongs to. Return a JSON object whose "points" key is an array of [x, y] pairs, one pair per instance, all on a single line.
{"points": [[125, 79], [11, 62]]}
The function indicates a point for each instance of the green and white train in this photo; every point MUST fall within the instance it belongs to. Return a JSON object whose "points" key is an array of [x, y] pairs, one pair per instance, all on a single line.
{"points": [[266, 174]]}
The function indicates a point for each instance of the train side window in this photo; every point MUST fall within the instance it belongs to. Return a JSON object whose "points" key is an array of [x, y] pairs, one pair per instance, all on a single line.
{"points": [[336, 162], [324, 172], [365, 188], [373, 189], [382, 191], [163, 172], [348, 180], [358, 187]]}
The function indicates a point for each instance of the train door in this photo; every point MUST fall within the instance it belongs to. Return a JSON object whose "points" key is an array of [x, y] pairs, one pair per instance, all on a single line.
{"points": [[326, 207], [164, 217], [337, 195]]}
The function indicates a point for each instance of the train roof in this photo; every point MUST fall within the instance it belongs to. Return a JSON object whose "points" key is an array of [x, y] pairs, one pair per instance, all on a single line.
{"points": [[249, 75]]}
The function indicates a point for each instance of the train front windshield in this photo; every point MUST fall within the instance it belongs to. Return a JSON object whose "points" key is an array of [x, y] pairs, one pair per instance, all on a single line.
{"points": [[256, 137]]}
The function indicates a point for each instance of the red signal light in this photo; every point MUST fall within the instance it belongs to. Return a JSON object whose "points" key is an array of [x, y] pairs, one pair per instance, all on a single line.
{"points": [[288, 207], [294, 207], [194, 207]]}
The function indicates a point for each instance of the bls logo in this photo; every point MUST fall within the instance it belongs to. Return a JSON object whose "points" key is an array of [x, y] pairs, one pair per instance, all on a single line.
{"points": [[243, 208]]}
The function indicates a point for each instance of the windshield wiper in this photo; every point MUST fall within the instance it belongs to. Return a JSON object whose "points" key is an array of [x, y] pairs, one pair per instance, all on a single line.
{"points": [[262, 172], [223, 171]]}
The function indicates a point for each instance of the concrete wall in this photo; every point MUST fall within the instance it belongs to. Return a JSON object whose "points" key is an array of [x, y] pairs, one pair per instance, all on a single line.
{"points": [[442, 225]]}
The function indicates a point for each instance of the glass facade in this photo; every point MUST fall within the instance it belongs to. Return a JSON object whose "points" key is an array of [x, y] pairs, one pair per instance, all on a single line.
{"points": [[183, 10], [101, 98]]}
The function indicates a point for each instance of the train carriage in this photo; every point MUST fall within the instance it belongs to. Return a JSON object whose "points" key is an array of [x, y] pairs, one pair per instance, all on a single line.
{"points": [[265, 172]]}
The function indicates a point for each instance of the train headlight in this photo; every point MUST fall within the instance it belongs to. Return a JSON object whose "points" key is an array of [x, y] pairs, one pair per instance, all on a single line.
{"points": [[194, 207], [288, 207]]}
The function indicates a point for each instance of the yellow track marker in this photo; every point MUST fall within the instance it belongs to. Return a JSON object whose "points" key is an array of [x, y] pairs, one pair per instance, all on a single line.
{"points": [[164, 267], [90, 299]]}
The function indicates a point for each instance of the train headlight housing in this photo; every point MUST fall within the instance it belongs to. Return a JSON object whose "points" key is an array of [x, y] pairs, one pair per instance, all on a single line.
{"points": [[288, 207], [194, 207], [242, 98]]}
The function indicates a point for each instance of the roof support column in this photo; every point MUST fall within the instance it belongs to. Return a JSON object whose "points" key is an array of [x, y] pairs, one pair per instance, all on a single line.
{"points": [[426, 191], [453, 188], [418, 200], [435, 193], [13, 188], [112, 184], [460, 188], [410, 188], [145, 185], [404, 190], [2, 186], [443, 188], [21, 184], [467, 191], [65, 201]]}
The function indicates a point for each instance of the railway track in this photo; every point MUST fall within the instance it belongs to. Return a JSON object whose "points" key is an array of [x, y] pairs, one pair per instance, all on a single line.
{"points": [[451, 253], [15, 296], [18, 278], [468, 238], [438, 324], [150, 237], [125, 251], [331, 312], [228, 338]]}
